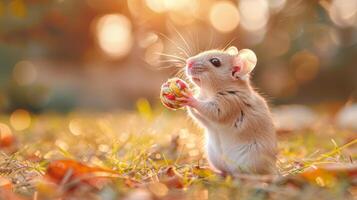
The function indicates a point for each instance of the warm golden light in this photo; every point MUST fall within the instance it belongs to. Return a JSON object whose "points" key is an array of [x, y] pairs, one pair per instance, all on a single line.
{"points": [[306, 64], [158, 189], [147, 39], [5, 131], [114, 35], [165, 5], [24, 73], [178, 5], [344, 12], [156, 5], [152, 53], [276, 5], [278, 43], [224, 16], [75, 127], [61, 144], [20, 119], [254, 14]]}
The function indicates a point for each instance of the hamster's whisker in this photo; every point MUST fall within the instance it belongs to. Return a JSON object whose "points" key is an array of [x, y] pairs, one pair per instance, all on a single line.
{"points": [[176, 45], [198, 43], [171, 64], [172, 56], [193, 42], [172, 61], [183, 39], [211, 40], [229, 43], [169, 67]]}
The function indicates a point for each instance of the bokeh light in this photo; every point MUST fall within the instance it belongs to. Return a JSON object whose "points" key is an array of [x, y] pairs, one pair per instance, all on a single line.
{"points": [[20, 119], [24, 73], [224, 16], [178, 5], [152, 53], [306, 65], [6, 137], [114, 34], [61, 144], [276, 5], [75, 127], [147, 39], [5, 131], [256, 37], [135, 7], [165, 5], [326, 40], [343, 12], [278, 43], [254, 14], [158, 189], [278, 82], [156, 5], [58, 66]]}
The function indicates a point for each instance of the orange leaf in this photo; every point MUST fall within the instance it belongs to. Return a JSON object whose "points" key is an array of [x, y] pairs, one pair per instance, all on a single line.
{"points": [[171, 178], [7, 141], [326, 174], [64, 171]]}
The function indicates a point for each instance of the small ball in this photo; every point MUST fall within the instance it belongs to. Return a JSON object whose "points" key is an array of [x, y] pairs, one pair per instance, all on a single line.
{"points": [[171, 90]]}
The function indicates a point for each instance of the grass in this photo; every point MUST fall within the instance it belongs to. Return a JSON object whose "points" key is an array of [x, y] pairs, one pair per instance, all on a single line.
{"points": [[158, 155]]}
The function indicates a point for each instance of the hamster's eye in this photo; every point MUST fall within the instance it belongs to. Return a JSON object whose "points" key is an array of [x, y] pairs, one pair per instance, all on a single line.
{"points": [[215, 62]]}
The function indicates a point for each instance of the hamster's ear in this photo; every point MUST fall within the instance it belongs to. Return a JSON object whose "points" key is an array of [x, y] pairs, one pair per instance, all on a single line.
{"points": [[243, 63], [232, 50]]}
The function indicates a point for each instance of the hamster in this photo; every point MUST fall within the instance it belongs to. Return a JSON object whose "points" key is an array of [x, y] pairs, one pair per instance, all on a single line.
{"points": [[239, 130]]}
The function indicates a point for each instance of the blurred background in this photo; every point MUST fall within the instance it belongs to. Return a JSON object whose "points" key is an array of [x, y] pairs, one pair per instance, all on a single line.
{"points": [[105, 54]]}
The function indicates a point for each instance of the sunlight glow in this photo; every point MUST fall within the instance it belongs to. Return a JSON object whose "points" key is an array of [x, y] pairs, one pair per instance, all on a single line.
{"points": [[158, 189], [177, 5], [278, 43], [156, 5], [224, 16], [166, 5], [61, 144], [276, 5], [344, 12], [114, 34], [20, 119], [152, 53], [75, 127], [24, 73], [254, 14], [306, 66], [5, 131]]}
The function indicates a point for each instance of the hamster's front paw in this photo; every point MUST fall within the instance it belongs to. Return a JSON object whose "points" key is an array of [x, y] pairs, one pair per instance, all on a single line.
{"points": [[188, 100]]}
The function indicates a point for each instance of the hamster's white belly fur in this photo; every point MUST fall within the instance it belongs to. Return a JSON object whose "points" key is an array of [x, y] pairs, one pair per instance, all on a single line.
{"points": [[227, 154]]}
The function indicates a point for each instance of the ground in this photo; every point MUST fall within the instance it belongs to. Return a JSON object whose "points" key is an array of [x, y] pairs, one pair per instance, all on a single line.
{"points": [[158, 154]]}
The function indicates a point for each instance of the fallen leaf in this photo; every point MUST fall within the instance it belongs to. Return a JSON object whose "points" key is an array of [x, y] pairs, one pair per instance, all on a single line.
{"points": [[327, 174], [171, 178], [7, 141], [70, 171]]}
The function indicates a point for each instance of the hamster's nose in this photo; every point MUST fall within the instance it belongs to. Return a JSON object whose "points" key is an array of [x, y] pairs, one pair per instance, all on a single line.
{"points": [[190, 64]]}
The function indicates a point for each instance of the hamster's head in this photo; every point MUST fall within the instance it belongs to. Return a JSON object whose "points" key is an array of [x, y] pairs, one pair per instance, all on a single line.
{"points": [[214, 68]]}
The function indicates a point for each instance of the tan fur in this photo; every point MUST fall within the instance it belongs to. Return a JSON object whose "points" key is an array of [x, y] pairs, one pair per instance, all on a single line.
{"points": [[238, 125]]}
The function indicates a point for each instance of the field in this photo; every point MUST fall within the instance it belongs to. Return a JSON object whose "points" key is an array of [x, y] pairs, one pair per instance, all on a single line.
{"points": [[148, 154]]}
